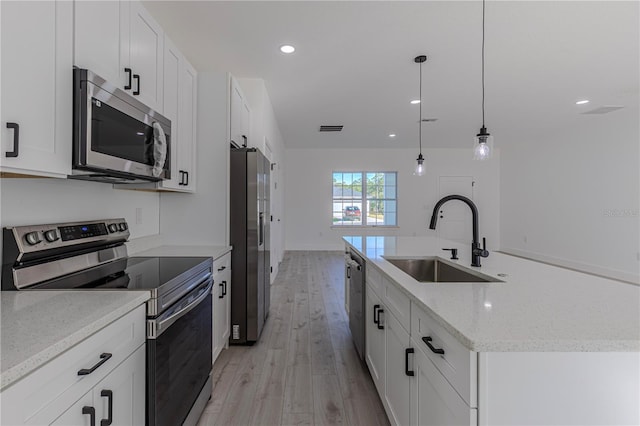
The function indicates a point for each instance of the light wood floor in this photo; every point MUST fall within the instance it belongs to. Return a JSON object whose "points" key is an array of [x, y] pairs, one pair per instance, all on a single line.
{"points": [[305, 369]]}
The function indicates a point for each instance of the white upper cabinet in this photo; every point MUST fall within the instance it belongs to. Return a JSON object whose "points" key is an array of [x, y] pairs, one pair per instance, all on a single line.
{"points": [[121, 42], [37, 49], [172, 58], [146, 52], [187, 126], [240, 116]]}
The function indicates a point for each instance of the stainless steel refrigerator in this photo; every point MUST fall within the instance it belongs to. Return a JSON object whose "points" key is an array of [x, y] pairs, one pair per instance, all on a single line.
{"points": [[250, 258]]}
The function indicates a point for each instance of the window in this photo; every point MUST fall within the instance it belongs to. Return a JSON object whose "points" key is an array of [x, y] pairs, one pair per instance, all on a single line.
{"points": [[365, 198]]}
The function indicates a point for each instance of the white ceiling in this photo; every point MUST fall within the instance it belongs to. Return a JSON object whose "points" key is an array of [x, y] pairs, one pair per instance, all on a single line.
{"points": [[354, 64]]}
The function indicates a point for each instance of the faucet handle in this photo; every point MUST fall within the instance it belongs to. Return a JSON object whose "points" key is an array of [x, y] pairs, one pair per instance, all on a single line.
{"points": [[484, 252], [454, 253]]}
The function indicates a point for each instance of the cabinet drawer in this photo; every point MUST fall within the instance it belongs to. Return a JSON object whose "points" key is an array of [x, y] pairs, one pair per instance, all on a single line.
{"points": [[221, 265], [398, 303], [458, 364], [56, 385], [374, 279]]}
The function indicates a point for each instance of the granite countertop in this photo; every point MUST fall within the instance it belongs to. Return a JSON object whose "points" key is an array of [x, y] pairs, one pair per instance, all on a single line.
{"points": [[175, 250], [36, 326], [538, 307]]}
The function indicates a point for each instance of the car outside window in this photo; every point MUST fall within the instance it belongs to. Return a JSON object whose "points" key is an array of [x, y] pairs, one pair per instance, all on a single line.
{"points": [[364, 199]]}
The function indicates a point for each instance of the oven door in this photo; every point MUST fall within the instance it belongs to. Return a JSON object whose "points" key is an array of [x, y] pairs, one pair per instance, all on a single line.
{"points": [[114, 131], [179, 357]]}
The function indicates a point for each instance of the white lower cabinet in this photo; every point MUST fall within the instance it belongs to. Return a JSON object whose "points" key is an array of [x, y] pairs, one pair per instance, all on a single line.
{"points": [[398, 370], [221, 319], [433, 399], [375, 339], [106, 369]]}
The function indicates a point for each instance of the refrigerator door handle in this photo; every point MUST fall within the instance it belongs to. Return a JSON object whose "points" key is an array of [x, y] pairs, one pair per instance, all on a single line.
{"points": [[261, 229]]}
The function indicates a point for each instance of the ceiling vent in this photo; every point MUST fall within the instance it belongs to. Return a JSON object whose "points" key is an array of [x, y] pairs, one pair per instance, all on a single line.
{"points": [[604, 109], [429, 120], [331, 128]]}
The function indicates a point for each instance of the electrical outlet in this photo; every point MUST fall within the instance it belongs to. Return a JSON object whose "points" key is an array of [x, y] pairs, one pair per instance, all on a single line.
{"points": [[138, 215]]}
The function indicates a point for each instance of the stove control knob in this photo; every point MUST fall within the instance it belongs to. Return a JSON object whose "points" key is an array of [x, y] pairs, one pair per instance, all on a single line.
{"points": [[51, 235], [123, 226], [113, 227], [32, 238]]}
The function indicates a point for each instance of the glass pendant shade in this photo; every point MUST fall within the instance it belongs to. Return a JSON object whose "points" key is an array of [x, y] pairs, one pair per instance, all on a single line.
{"points": [[419, 170], [483, 145]]}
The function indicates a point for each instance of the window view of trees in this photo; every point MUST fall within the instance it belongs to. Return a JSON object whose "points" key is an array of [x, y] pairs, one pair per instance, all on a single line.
{"points": [[364, 198]]}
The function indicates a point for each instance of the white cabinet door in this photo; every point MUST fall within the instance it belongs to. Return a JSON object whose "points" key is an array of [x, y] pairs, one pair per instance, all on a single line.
{"points": [[172, 58], [237, 107], [79, 414], [187, 125], [433, 399], [37, 50], [124, 389], [146, 53], [221, 312], [375, 340], [397, 391], [101, 42]]}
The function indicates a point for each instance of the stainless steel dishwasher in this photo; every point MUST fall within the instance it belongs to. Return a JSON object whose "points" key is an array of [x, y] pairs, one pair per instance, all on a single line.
{"points": [[355, 276]]}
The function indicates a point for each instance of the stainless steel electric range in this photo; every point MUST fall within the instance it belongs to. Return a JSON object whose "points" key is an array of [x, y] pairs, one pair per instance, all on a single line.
{"points": [[92, 256]]}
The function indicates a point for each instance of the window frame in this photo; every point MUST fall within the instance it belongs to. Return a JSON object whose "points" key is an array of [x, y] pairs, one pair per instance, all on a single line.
{"points": [[364, 199]]}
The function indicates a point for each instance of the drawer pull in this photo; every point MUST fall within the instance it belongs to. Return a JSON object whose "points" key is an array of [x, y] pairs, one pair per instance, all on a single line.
{"points": [[103, 358], [380, 326], [109, 419], [376, 320], [224, 289], [16, 140], [92, 414], [435, 350], [406, 362], [222, 268]]}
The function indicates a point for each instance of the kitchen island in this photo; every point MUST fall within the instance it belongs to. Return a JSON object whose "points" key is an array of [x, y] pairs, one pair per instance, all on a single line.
{"points": [[541, 345]]}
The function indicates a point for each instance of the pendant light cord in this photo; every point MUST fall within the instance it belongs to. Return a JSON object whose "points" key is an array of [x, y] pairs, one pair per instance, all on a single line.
{"points": [[483, 1], [420, 118]]}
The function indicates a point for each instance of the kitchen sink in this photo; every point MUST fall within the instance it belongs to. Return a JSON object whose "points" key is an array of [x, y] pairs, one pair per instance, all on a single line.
{"points": [[435, 270]]}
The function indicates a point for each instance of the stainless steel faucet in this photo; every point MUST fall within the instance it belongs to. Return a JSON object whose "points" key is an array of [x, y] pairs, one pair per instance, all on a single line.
{"points": [[476, 251]]}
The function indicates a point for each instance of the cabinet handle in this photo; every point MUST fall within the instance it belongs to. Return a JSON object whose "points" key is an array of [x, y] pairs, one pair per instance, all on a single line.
{"points": [[109, 419], [375, 313], [16, 139], [245, 141], [103, 358], [128, 85], [224, 288], [136, 92], [222, 291], [406, 362], [435, 350], [222, 268], [349, 271], [181, 177], [380, 326], [187, 174], [92, 414]]}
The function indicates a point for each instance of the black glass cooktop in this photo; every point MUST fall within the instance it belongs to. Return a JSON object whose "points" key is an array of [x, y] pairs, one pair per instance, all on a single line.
{"points": [[133, 273]]}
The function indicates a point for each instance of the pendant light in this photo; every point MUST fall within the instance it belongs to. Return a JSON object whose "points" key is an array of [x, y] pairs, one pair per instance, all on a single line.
{"points": [[483, 142], [419, 170]]}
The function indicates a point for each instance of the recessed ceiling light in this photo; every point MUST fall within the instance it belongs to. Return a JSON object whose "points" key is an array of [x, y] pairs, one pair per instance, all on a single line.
{"points": [[287, 48], [392, 135], [582, 102], [415, 101]]}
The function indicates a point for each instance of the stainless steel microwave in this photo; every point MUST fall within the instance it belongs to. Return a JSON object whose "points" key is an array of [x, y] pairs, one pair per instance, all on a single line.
{"points": [[116, 138]]}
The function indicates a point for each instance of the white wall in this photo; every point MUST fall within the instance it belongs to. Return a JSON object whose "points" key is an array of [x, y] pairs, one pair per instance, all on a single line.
{"points": [[572, 198], [308, 201], [40, 201], [265, 130], [202, 218]]}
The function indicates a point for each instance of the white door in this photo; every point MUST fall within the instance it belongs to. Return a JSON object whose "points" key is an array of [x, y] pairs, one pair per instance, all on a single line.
{"points": [[237, 105], [79, 414], [375, 343], [433, 399], [187, 127], [37, 49], [397, 389], [454, 217], [101, 41], [146, 52]]}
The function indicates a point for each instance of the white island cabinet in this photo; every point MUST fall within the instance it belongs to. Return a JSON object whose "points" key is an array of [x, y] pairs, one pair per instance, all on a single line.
{"points": [[563, 349], [100, 380]]}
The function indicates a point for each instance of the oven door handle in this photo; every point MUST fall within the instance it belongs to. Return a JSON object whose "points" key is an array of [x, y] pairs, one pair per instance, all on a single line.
{"points": [[155, 327]]}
